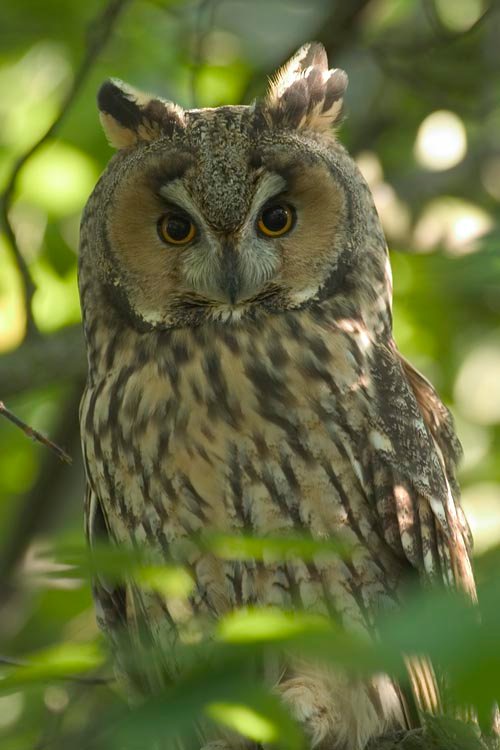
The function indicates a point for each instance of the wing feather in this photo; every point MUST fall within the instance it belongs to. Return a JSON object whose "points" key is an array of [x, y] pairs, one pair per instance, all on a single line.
{"points": [[417, 458], [415, 453]]}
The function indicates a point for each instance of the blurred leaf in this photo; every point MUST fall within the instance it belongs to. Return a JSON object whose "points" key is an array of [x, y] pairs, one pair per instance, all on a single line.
{"points": [[168, 580], [268, 625], [175, 712], [273, 548], [262, 719], [62, 660]]}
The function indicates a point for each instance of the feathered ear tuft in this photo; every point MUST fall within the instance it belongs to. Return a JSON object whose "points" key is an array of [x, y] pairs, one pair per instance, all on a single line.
{"points": [[304, 94], [128, 116]]}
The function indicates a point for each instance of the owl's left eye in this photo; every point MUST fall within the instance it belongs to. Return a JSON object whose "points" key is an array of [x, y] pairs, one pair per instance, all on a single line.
{"points": [[176, 229], [276, 219]]}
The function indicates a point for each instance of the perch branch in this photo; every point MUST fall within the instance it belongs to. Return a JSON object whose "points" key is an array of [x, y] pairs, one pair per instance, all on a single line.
{"points": [[41, 505], [34, 434], [100, 30]]}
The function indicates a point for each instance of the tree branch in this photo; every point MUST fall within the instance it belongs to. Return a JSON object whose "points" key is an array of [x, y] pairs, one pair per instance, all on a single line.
{"points": [[100, 30], [34, 434], [42, 503]]}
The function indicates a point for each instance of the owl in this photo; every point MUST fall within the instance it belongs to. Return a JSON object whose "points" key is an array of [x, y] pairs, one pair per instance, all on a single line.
{"points": [[243, 379]]}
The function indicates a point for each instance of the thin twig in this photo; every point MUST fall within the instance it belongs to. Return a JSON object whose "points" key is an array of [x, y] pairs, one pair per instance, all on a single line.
{"points": [[99, 31], [6, 661], [34, 434]]}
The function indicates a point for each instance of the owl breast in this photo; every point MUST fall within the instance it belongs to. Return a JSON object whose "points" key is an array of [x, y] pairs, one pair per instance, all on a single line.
{"points": [[229, 429]]}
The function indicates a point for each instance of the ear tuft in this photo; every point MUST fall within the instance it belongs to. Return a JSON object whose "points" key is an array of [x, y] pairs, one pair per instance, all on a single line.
{"points": [[117, 99], [304, 94], [129, 116]]}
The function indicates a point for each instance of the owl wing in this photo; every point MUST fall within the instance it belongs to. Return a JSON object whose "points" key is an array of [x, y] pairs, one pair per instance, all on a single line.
{"points": [[414, 455]]}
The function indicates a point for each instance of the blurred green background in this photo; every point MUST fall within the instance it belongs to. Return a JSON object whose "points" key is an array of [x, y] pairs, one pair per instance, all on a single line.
{"points": [[423, 122]]}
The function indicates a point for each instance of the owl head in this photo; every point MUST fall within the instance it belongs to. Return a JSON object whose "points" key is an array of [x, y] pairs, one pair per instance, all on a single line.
{"points": [[219, 214]]}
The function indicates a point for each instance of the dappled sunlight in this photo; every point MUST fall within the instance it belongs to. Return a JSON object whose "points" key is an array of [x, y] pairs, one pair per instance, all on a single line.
{"points": [[56, 301], [370, 167], [459, 15], [11, 709], [56, 698], [476, 390], [29, 222], [12, 314], [394, 213], [441, 141], [59, 178], [453, 224], [481, 503], [476, 442], [30, 93]]}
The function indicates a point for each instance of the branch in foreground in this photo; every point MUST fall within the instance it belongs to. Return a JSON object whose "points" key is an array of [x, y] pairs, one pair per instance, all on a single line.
{"points": [[100, 30], [34, 434]]}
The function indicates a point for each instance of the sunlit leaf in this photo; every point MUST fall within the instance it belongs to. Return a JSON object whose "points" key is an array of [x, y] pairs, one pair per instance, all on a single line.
{"points": [[254, 625], [58, 662], [274, 548], [166, 579], [244, 720]]}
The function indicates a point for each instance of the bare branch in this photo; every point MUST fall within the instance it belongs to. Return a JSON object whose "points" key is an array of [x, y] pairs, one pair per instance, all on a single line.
{"points": [[40, 508], [34, 434], [100, 30]]}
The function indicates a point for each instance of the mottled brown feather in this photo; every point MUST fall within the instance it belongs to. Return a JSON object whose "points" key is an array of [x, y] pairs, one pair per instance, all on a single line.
{"points": [[246, 384]]}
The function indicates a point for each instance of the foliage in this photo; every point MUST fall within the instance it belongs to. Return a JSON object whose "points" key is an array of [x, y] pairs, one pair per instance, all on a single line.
{"points": [[406, 59]]}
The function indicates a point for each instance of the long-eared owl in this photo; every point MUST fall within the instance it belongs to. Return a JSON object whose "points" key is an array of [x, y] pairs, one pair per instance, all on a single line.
{"points": [[243, 378]]}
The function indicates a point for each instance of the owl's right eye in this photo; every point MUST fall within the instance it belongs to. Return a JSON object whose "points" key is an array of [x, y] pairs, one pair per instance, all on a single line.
{"points": [[176, 229]]}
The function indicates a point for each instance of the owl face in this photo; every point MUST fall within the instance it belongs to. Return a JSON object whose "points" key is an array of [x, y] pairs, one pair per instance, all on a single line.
{"points": [[217, 214]]}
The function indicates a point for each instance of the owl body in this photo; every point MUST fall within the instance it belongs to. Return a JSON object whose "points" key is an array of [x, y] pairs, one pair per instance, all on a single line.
{"points": [[243, 378]]}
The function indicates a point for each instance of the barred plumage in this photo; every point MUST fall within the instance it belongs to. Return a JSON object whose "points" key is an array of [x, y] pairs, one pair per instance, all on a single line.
{"points": [[249, 382]]}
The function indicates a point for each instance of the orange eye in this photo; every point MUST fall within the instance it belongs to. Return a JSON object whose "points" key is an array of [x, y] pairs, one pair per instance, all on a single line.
{"points": [[176, 229], [276, 220]]}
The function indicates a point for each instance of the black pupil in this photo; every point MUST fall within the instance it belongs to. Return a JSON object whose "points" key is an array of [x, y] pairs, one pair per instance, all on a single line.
{"points": [[275, 218], [178, 228]]}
